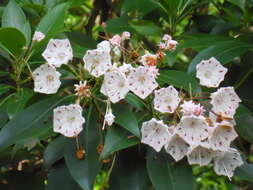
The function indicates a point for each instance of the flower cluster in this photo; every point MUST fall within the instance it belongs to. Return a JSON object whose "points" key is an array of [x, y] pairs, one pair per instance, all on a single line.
{"points": [[200, 134], [203, 133]]}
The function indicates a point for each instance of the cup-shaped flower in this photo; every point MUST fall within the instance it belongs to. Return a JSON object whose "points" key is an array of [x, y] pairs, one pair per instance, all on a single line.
{"points": [[176, 147], [114, 86], [46, 79], [58, 52], [193, 129], [210, 72], [97, 62], [166, 99], [142, 81], [201, 154], [68, 120], [155, 134], [225, 101], [226, 162]]}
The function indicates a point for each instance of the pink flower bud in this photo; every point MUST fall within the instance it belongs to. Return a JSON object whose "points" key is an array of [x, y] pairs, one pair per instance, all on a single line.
{"points": [[38, 36], [115, 40]]}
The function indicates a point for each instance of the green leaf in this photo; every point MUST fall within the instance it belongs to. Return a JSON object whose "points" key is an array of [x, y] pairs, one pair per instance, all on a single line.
{"points": [[60, 178], [117, 139], [129, 176], [12, 40], [239, 3], [147, 29], [17, 101], [13, 16], [143, 6], [35, 117], [135, 101], [245, 172], [53, 21], [179, 79], [4, 88], [54, 151], [166, 175], [224, 52], [118, 25], [244, 126], [3, 118], [201, 41], [84, 171], [126, 119]]}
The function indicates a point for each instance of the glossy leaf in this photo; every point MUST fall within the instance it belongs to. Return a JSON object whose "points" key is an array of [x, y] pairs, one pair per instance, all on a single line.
{"points": [[60, 178], [245, 127], [117, 139], [135, 101], [245, 172], [118, 25], [168, 175], [53, 21], [84, 171], [147, 29], [12, 40], [179, 79], [143, 6], [54, 151], [134, 177], [13, 16], [16, 102], [126, 119], [28, 120], [224, 52]]}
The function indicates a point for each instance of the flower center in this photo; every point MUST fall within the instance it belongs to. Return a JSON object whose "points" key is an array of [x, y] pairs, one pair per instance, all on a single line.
{"points": [[142, 79], [61, 55], [71, 119], [50, 78], [121, 84], [208, 74]]}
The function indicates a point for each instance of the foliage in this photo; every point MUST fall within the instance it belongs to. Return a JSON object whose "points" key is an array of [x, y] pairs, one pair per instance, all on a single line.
{"points": [[33, 156]]}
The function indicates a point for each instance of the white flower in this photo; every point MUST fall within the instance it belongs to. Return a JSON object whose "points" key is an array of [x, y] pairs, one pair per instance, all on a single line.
{"points": [[149, 59], [46, 79], [114, 86], [223, 134], [97, 62], [201, 154], [109, 118], [226, 162], [225, 101], [193, 129], [126, 35], [115, 40], [210, 72], [190, 108], [68, 120], [171, 45], [166, 37], [58, 52], [166, 99], [155, 134], [142, 81], [104, 45], [125, 68], [38, 36], [176, 147]]}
